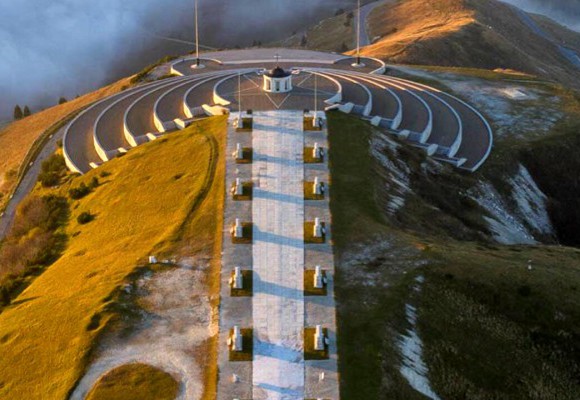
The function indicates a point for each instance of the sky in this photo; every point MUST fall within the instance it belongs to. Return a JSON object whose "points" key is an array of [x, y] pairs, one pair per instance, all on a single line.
{"points": [[54, 48]]}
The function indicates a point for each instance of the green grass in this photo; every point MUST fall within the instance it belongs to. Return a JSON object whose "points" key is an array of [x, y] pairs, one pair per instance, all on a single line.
{"points": [[135, 382], [247, 353], [491, 328], [353, 198], [309, 352], [140, 209]]}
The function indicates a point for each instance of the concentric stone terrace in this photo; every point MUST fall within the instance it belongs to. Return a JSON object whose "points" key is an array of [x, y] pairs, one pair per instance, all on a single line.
{"points": [[446, 127]]}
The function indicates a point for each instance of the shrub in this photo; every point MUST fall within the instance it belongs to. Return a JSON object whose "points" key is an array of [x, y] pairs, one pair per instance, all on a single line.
{"points": [[4, 296], [85, 217], [94, 183], [79, 192], [26, 112], [62, 100], [33, 240], [52, 170]]}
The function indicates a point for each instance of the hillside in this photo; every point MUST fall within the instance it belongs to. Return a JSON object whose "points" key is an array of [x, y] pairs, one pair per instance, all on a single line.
{"points": [[416, 279], [485, 34], [18, 138], [155, 200]]}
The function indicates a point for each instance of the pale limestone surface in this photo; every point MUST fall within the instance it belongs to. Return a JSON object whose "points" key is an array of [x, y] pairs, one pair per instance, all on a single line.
{"points": [[278, 254], [278, 312]]}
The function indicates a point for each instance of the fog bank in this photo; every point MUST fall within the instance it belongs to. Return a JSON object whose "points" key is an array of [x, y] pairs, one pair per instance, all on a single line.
{"points": [[566, 12], [53, 48]]}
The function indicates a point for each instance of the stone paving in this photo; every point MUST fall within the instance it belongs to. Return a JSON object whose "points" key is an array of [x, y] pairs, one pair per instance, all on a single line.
{"points": [[278, 216], [278, 312]]}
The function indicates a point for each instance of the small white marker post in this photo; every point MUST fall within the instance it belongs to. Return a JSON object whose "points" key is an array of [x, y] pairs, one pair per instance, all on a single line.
{"points": [[239, 190], [238, 281], [319, 338], [318, 278], [238, 229], [239, 153]]}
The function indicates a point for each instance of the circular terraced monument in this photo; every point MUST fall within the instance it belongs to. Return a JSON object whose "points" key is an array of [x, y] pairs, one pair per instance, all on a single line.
{"points": [[277, 326]]}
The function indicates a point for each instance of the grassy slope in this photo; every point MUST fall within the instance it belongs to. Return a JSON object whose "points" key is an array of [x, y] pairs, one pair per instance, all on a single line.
{"points": [[18, 137], [154, 197], [522, 325], [471, 33], [135, 382]]}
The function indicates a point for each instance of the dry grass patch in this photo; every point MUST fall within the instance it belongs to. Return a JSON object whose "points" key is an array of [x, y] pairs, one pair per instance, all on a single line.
{"points": [[135, 382], [137, 214], [18, 137]]}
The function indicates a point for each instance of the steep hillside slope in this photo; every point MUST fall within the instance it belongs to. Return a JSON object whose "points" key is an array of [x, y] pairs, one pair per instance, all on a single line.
{"points": [[469, 33], [418, 272], [163, 198], [486, 34], [17, 138]]}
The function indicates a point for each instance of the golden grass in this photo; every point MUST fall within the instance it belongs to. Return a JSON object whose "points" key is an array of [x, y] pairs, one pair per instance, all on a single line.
{"points": [[142, 208], [135, 382], [331, 34], [18, 137], [405, 23]]}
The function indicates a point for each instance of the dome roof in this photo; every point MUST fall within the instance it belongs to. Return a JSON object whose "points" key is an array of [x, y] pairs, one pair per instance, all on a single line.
{"points": [[277, 73]]}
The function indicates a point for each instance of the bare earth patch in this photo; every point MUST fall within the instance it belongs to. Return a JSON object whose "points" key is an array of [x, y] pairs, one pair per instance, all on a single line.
{"points": [[175, 323]]}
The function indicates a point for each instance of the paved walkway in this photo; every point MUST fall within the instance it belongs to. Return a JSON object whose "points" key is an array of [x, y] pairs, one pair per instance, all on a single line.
{"points": [[278, 256], [278, 312]]}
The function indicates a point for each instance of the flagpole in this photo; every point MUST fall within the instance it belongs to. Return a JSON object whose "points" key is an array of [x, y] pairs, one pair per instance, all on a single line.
{"points": [[198, 63], [358, 36], [240, 95], [196, 35]]}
